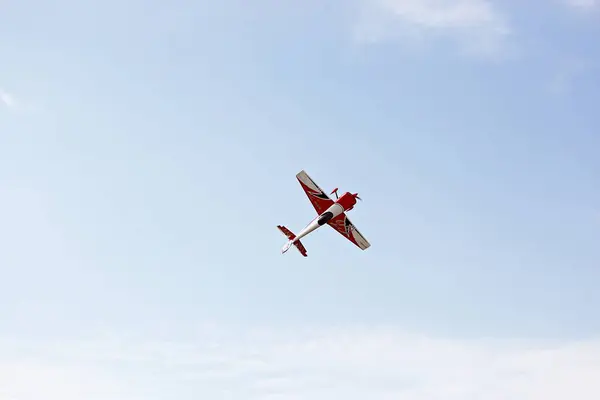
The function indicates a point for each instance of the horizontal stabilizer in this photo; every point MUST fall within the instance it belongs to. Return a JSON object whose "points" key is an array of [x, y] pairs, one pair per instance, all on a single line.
{"points": [[290, 235]]}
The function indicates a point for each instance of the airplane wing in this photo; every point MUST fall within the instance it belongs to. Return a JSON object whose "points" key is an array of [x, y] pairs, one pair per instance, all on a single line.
{"points": [[316, 195], [346, 228]]}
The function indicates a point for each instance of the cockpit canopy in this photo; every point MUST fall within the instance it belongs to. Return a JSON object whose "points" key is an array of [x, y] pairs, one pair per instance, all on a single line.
{"points": [[325, 217]]}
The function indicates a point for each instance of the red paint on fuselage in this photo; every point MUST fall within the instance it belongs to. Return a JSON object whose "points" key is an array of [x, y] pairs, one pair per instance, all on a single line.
{"points": [[347, 200]]}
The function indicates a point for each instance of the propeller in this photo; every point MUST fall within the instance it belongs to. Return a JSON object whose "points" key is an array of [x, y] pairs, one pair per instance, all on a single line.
{"points": [[356, 196]]}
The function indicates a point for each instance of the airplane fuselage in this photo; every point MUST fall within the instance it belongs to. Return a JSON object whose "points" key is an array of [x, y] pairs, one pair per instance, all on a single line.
{"points": [[344, 203]]}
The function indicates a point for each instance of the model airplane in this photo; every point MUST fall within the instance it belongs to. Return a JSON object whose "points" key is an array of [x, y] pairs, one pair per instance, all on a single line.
{"points": [[332, 213]]}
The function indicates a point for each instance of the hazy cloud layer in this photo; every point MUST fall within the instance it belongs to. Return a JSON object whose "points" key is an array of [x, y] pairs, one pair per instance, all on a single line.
{"points": [[351, 363]]}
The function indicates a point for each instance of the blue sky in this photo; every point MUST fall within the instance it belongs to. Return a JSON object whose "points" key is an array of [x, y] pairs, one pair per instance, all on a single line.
{"points": [[147, 152]]}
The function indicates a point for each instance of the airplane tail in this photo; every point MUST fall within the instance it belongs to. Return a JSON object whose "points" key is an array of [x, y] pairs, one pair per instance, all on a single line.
{"points": [[291, 241]]}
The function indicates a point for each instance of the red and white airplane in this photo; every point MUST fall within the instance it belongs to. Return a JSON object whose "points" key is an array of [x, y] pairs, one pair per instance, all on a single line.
{"points": [[332, 213]]}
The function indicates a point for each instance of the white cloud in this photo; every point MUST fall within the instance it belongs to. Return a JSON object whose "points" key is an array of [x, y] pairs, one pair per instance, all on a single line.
{"points": [[13, 103], [582, 4], [351, 363], [476, 24], [7, 100]]}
